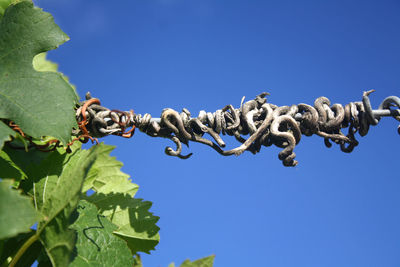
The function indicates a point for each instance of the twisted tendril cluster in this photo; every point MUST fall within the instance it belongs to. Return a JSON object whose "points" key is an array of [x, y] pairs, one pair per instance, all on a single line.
{"points": [[264, 123]]}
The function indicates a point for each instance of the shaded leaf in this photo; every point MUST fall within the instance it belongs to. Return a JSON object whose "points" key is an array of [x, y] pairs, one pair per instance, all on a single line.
{"points": [[28, 161], [56, 194], [44, 178], [17, 211], [41, 103], [137, 225], [96, 245], [57, 239], [12, 245], [55, 181], [5, 134], [8, 168], [43, 260], [30, 255], [114, 199]]}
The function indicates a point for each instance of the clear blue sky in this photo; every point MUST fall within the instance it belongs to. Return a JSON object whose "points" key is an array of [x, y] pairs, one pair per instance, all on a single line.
{"points": [[333, 209]]}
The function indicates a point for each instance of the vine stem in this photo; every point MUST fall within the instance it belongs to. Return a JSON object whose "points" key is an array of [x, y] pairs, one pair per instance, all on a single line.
{"points": [[22, 249]]}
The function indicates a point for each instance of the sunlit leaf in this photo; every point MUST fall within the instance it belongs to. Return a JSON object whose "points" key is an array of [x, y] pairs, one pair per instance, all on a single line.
{"points": [[96, 244], [137, 261], [106, 176], [114, 198], [203, 262], [3, 6], [41, 63]]}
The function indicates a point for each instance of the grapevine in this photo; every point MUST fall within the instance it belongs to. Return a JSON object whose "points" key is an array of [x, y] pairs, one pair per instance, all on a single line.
{"points": [[62, 205], [265, 123]]}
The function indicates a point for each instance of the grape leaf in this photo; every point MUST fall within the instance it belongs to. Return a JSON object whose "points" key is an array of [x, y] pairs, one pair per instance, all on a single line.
{"points": [[96, 245], [137, 261], [55, 183], [5, 133], [41, 103], [106, 176], [136, 224], [56, 237], [41, 63], [57, 193], [12, 245], [114, 199], [18, 214], [3, 5], [8, 168], [18, 163], [43, 260], [203, 262]]}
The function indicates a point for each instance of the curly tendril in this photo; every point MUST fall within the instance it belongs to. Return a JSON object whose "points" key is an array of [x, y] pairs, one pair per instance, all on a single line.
{"points": [[254, 124]]}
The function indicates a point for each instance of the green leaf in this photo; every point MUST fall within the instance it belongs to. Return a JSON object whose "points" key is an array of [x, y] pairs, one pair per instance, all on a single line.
{"points": [[3, 6], [106, 176], [30, 255], [96, 245], [137, 261], [45, 177], [204, 262], [5, 133], [57, 239], [55, 182], [43, 260], [12, 245], [136, 224], [9, 170], [25, 161], [57, 192], [41, 103], [114, 199], [17, 211], [41, 63]]}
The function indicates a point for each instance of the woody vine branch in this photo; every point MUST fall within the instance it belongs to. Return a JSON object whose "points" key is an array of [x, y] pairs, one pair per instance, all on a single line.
{"points": [[263, 123]]}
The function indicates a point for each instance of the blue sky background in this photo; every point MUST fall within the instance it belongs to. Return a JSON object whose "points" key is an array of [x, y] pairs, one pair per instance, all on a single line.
{"points": [[333, 209]]}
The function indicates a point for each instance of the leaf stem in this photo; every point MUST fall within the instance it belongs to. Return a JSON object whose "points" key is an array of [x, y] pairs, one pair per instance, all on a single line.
{"points": [[22, 249]]}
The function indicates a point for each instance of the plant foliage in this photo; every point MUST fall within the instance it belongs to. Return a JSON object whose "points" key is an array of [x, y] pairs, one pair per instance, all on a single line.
{"points": [[57, 207], [44, 109]]}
